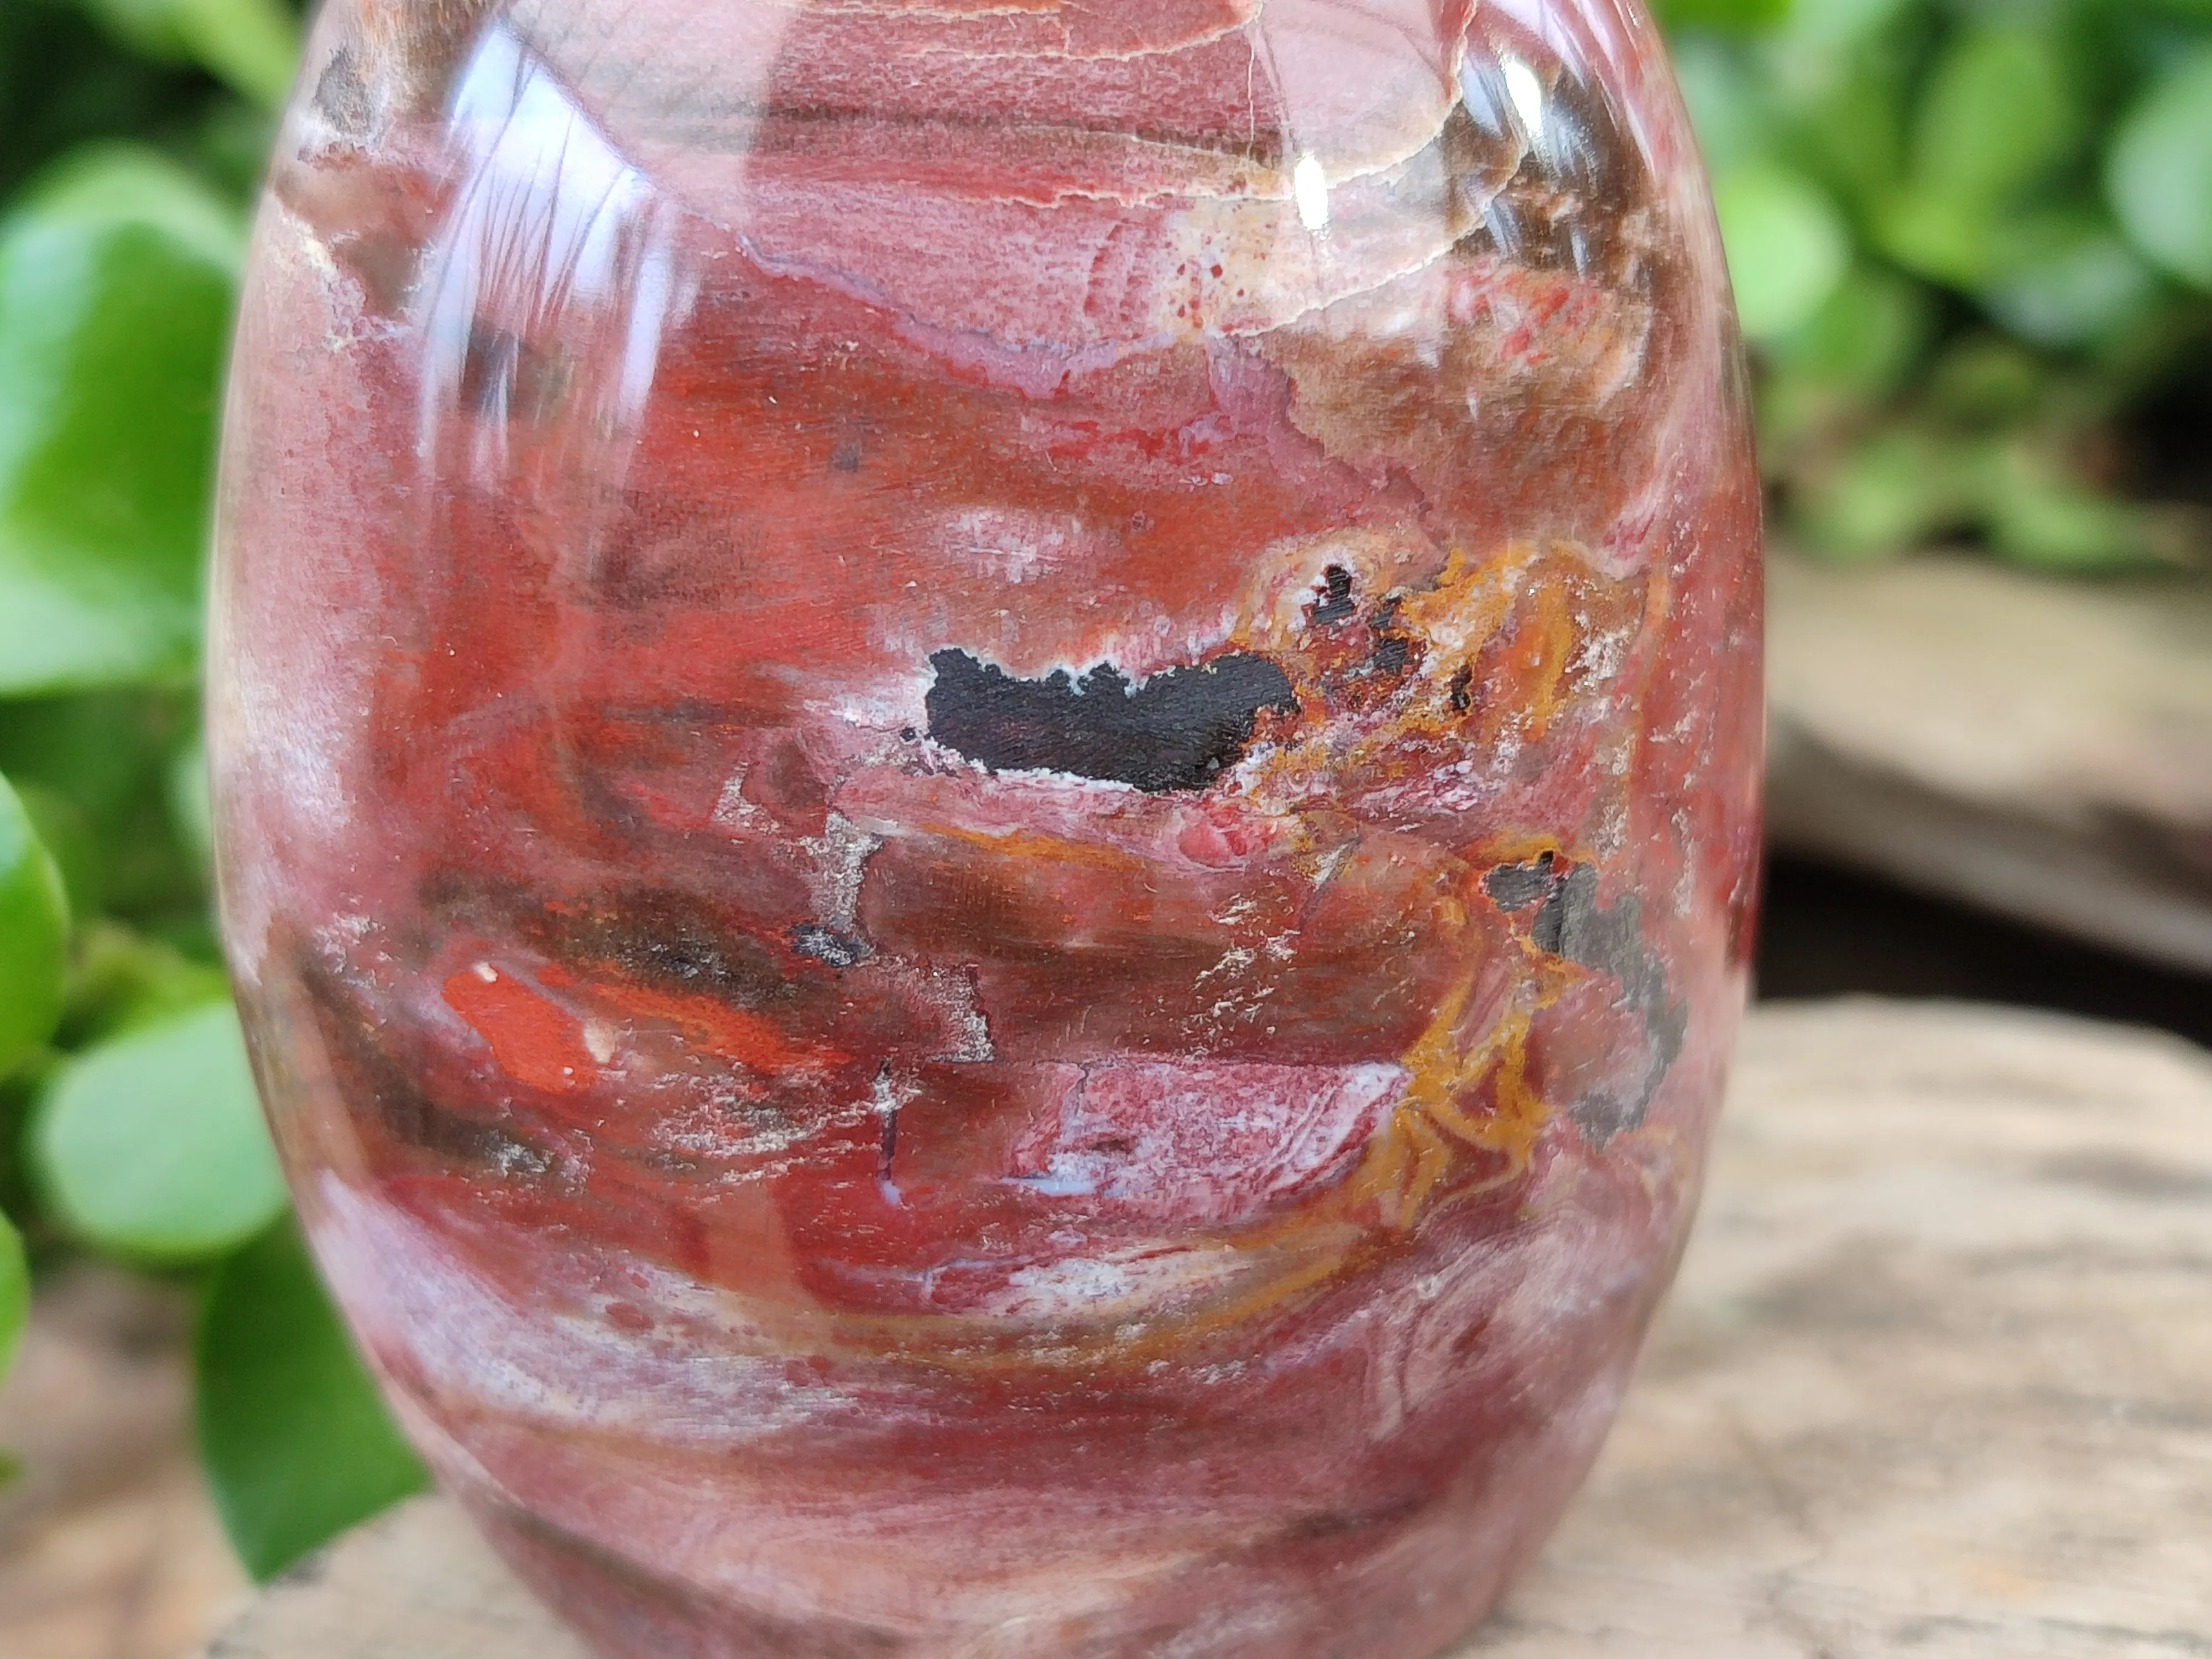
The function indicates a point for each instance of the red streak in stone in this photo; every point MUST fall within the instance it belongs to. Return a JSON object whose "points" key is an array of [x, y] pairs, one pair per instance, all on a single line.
{"points": [[535, 1040], [732, 1033]]}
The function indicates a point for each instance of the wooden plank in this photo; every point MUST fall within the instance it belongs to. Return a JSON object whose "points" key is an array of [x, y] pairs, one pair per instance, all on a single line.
{"points": [[109, 1548], [1936, 1380], [2039, 747]]}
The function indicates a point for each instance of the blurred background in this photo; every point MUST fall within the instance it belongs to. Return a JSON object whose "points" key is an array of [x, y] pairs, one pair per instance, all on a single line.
{"points": [[1971, 241]]}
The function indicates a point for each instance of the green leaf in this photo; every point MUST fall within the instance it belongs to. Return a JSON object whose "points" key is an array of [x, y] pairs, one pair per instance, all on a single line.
{"points": [[1934, 237], [15, 1291], [1998, 114], [1848, 104], [1830, 376], [1866, 337], [252, 44], [121, 979], [62, 825], [151, 1144], [116, 278], [296, 1444], [191, 810], [104, 750], [112, 754], [34, 935], [2069, 281], [1735, 15], [2159, 174], [61, 81], [17, 1196], [1788, 247], [1724, 99], [1889, 495], [1841, 22], [1987, 382], [2040, 517], [230, 144]]}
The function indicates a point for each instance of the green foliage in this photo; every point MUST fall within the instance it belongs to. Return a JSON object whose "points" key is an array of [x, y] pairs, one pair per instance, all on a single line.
{"points": [[116, 276], [1902, 183], [1995, 116], [1723, 14], [297, 1445], [130, 135], [2160, 175], [63, 83], [34, 935], [150, 1144], [97, 772], [250, 44], [1791, 245], [15, 1290]]}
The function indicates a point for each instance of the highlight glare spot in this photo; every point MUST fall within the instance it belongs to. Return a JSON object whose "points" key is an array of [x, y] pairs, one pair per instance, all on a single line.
{"points": [[1527, 93], [1309, 187]]}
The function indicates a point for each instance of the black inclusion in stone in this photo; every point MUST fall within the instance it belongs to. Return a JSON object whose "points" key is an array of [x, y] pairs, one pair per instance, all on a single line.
{"points": [[1517, 886], [1178, 731], [1336, 604]]}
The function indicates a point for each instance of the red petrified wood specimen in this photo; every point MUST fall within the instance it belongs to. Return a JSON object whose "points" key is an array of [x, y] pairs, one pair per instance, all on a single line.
{"points": [[988, 774]]}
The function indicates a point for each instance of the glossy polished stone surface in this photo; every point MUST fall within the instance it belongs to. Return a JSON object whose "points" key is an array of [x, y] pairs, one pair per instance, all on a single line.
{"points": [[987, 778]]}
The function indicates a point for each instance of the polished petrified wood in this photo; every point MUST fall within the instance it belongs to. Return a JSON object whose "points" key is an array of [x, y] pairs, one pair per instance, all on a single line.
{"points": [[989, 783]]}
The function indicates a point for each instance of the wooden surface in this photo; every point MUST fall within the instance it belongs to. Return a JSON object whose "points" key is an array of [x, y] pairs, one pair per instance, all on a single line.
{"points": [[109, 1548], [1937, 1381], [2037, 746]]}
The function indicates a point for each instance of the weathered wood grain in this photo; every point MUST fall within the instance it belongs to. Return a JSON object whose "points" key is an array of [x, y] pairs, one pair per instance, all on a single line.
{"points": [[2039, 747], [1937, 1381]]}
